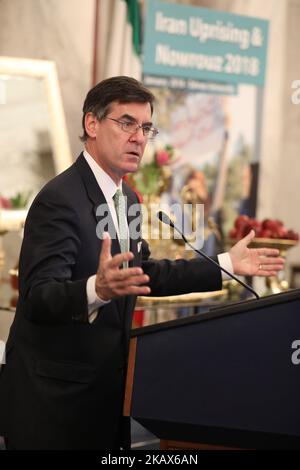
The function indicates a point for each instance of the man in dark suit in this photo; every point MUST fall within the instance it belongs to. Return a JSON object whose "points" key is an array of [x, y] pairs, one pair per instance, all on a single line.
{"points": [[63, 383]]}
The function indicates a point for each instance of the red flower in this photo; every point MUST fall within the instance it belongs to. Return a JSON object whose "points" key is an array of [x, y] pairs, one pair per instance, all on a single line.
{"points": [[162, 157], [5, 203]]}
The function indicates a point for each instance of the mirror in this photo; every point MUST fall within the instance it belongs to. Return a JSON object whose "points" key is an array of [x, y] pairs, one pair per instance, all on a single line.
{"points": [[33, 136]]}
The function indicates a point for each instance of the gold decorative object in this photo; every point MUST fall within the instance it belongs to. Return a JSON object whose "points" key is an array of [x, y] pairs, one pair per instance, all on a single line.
{"points": [[161, 309], [151, 181], [161, 238], [279, 283], [195, 192], [184, 300]]}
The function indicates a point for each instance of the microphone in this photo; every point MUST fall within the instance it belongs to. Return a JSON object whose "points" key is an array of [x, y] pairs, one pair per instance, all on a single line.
{"points": [[165, 219]]}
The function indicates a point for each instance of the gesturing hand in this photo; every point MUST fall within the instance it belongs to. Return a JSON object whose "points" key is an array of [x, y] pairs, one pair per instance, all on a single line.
{"points": [[111, 281], [254, 262]]}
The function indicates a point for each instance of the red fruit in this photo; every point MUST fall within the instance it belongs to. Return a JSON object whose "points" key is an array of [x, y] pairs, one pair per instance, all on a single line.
{"points": [[264, 233], [241, 221], [270, 224], [281, 232], [233, 233], [268, 228], [291, 235], [255, 225], [247, 228]]}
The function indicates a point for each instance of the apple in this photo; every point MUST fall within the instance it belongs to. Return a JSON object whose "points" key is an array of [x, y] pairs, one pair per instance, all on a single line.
{"points": [[281, 232], [269, 224], [241, 221], [291, 235], [247, 228], [279, 223], [265, 233], [268, 228], [233, 233]]}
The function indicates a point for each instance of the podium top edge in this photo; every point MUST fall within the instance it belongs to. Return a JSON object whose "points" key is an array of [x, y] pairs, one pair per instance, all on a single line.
{"points": [[221, 311]]}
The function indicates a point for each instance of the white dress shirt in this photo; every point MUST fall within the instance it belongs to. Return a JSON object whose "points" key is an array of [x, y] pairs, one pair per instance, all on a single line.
{"points": [[109, 187]]}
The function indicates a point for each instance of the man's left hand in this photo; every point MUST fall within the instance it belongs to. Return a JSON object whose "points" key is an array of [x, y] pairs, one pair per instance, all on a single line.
{"points": [[254, 261]]}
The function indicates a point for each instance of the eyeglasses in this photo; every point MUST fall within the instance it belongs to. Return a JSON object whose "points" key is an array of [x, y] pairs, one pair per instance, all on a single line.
{"points": [[133, 127]]}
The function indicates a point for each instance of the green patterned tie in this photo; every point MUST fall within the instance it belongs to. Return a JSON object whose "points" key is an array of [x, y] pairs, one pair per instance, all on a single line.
{"points": [[120, 206]]}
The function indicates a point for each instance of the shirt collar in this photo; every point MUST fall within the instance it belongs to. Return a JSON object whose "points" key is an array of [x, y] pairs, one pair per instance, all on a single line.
{"points": [[107, 185]]}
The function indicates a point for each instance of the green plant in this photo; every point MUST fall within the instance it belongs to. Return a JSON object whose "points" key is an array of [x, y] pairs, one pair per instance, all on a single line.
{"points": [[18, 201], [154, 173]]}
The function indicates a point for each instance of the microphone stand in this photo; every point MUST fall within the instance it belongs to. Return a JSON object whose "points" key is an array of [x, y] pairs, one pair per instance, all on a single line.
{"points": [[166, 220]]}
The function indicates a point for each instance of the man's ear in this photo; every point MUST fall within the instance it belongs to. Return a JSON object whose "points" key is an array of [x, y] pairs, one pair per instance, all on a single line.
{"points": [[90, 123]]}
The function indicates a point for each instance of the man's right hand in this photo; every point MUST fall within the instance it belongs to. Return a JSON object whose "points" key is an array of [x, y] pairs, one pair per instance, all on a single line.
{"points": [[111, 281]]}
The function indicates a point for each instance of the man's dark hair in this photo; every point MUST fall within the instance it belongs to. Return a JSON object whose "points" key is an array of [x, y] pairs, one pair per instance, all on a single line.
{"points": [[121, 89]]}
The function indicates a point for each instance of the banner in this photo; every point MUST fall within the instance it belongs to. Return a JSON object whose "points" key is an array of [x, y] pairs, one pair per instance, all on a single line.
{"points": [[202, 44]]}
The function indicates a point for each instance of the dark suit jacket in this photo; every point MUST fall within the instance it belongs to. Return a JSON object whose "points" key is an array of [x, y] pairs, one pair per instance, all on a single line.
{"points": [[63, 384]]}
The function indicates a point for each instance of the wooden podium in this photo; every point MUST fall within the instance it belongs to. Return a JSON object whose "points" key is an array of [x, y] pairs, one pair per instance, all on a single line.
{"points": [[229, 378]]}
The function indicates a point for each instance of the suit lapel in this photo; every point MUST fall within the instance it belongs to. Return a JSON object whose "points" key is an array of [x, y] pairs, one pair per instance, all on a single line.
{"points": [[99, 204], [97, 199]]}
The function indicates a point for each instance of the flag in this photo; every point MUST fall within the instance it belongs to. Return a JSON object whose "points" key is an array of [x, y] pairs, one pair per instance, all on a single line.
{"points": [[123, 40], [134, 18]]}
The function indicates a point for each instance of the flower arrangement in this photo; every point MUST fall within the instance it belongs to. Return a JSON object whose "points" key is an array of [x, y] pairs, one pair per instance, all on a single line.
{"points": [[18, 201], [13, 212], [154, 173]]}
